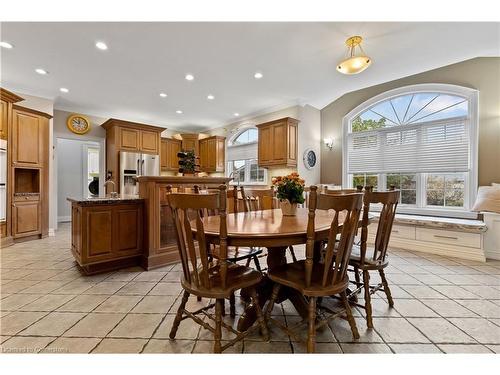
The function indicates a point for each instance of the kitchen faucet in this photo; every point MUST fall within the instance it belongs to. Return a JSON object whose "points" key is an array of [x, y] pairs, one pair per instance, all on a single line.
{"points": [[113, 194]]}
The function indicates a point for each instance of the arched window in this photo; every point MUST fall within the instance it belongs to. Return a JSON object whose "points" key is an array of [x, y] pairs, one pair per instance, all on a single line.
{"points": [[420, 138], [242, 162]]}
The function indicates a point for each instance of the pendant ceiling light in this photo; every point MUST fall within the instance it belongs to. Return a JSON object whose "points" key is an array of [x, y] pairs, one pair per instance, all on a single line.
{"points": [[354, 64]]}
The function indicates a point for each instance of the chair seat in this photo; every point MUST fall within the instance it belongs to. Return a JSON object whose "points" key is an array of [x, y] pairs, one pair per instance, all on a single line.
{"points": [[235, 254], [293, 276], [369, 263], [238, 277]]}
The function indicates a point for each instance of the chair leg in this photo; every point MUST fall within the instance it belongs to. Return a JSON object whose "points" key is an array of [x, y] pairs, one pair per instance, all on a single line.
{"points": [[368, 302], [256, 262], [292, 252], [386, 288], [356, 277], [198, 299], [218, 326], [178, 316], [247, 264], [311, 331], [232, 305], [260, 316], [350, 317], [223, 303], [270, 305]]}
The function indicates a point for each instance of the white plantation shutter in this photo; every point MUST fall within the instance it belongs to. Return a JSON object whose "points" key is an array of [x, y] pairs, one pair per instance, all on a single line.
{"points": [[242, 152], [435, 146]]}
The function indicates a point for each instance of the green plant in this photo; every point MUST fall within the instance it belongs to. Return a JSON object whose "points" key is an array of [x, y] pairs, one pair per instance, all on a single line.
{"points": [[289, 187]]}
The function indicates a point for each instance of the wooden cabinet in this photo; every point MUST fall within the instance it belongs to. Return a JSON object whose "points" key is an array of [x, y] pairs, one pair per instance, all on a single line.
{"points": [[106, 236], [168, 156], [190, 143], [212, 154], [278, 143], [30, 133], [128, 136], [4, 119], [26, 218]]}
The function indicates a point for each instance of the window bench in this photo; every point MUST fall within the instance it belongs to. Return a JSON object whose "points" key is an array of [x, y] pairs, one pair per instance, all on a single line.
{"points": [[459, 238]]}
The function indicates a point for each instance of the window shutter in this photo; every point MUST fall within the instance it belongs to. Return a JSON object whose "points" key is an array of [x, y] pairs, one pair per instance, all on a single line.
{"points": [[437, 146]]}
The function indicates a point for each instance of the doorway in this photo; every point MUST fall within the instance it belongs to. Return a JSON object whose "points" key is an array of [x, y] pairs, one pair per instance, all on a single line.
{"points": [[79, 163]]}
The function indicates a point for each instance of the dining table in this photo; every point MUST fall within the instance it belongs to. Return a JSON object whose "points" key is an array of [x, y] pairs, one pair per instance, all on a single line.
{"points": [[276, 232]]}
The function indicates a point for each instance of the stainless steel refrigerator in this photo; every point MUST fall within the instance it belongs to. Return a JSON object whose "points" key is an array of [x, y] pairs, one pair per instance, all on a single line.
{"points": [[134, 164]]}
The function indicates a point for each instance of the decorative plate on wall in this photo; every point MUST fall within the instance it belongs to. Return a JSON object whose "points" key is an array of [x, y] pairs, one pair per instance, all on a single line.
{"points": [[310, 158], [78, 124]]}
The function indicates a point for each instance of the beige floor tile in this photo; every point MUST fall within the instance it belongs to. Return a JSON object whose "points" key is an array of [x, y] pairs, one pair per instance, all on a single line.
{"points": [[54, 324], [169, 346], [166, 289], [439, 330], [122, 276], [136, 288], [448, 308], [415, 348], [494, 348], [172, 276], [464, 349], [454, 292], [41, 275], [431, 279], [83, 303], [366, 348], [74, 287], [118, 304], [188, 329], [94, 325], [207, 347], [323, 334], [150, 276], [380, 308], [49, 302], [72, 345], [106, 287], [267, 347], [18, 320], [28, 345], [486, 292], [423, 292], [321, 348], [115, 346], [398, 292], [343, 333], [398, 330], [482, 330], [17, 286], [15, 301], [137, 326], [413, 308], [486, 309], [154, 304], [4, 338], [402, 279], [44, 287]]}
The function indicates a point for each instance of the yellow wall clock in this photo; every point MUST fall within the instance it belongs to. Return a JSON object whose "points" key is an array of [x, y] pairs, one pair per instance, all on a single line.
{"points": [[78, 124]]}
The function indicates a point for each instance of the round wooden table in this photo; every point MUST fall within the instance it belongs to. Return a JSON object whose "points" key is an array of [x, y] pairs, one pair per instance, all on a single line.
{"points": [[270, 229]]}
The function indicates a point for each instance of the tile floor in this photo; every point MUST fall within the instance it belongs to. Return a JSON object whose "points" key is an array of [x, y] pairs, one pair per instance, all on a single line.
{"points": [[442, 305]]}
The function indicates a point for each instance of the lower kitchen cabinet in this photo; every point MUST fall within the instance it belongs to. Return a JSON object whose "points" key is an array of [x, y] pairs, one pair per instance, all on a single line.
{"points": [[106, 236], [26, 219]]}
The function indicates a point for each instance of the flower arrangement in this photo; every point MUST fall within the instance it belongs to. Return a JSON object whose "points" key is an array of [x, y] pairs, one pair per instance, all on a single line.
{"points": [[289, 188]]}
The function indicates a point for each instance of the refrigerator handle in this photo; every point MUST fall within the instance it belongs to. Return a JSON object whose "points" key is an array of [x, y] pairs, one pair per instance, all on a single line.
{"points": [[138, 168], [142, 166]]}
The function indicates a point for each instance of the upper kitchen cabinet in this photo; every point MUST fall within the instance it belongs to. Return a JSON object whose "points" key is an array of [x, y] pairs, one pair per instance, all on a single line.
{"points": [[278, 143], [190, 143], [30, 137], [7, 99], [168, 156], [132, 136], [212, 154]]}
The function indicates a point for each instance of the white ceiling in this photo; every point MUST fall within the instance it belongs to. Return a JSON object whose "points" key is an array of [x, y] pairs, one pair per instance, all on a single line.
{"points": [[298, 61]]}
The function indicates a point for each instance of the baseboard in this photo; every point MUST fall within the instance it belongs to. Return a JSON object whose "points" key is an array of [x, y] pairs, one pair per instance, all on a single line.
{"points": [[52, 232], [63, 219]]}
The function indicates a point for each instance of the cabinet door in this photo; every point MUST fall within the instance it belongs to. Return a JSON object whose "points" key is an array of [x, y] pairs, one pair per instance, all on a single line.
{"points": [[99, 235], [129, 139], [128, 230], [265, 145], [292, 143], [25, 219], [204, 156], [27, 138], [279, 136], [212, 154], [221, 155], [174, 147], [164, 155], [4, 108], [149, 141]]}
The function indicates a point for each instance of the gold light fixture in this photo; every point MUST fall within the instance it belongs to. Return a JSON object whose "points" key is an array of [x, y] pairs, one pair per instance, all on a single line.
{"points": [[354, 64]]}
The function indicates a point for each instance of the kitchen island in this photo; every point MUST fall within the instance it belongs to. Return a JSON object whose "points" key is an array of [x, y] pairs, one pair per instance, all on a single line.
{"points": [[107, 233]]}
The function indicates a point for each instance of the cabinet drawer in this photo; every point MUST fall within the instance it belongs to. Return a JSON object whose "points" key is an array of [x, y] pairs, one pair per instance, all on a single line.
{"points": [[403, 231], [26, 198], [449, 237]]}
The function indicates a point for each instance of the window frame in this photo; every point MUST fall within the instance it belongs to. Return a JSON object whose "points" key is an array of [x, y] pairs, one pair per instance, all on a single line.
{"points": [[471, 177]]}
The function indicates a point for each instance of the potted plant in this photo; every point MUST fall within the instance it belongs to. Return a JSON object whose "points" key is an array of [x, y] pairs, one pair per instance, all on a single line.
{"points": [[290, 192]]}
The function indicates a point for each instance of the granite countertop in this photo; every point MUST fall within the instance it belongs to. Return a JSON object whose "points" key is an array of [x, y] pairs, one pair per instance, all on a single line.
{"points": [[104, 199]]}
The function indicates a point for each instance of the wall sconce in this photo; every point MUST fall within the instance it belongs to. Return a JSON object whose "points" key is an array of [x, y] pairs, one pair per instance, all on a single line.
{"points": [[328, 143]]}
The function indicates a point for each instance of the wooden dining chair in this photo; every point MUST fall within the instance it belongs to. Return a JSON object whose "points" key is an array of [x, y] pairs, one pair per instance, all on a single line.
{"points": [[315, 279], [263, 199], [374, 258], [200, 276]]}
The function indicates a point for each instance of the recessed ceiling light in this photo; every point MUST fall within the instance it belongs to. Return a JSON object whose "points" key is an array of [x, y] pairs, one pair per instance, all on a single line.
{"points": [[101, 45], [210, 97], [41, 71], [163, 95], [236, 114], [178, 112], [6, 45], [64, 89], [189, 77], [258, 75]]}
